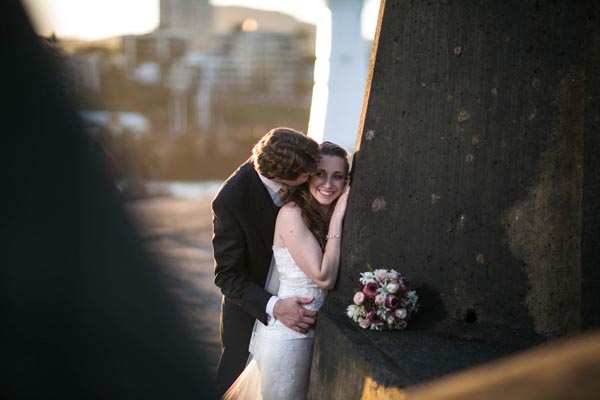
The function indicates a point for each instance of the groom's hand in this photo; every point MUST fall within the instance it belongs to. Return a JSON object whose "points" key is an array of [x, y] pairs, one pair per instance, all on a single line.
{"points": [[291, 313]]}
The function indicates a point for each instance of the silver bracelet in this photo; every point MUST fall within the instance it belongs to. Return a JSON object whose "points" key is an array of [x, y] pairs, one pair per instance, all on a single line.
{"points": [[327, 237]]}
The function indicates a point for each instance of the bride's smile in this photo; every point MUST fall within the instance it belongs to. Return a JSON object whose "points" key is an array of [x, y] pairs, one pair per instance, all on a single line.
{"points": [[327, 183]]}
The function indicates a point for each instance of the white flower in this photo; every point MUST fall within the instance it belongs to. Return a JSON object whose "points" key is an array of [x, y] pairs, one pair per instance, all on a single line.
{"points": [[392, 275], [412, 296], [364, 323], [380, 299], [391, 320], [400, 313], [353, 311], [367, 277], [392, 287], [359, 298], [380, 274]]}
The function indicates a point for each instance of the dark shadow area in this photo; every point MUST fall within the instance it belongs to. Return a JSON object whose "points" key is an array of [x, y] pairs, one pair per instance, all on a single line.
{"points": [[404, 358], [85, 310], [431, 308]]}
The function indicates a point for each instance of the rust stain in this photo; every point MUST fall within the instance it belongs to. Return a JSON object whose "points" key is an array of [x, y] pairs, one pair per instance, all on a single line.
{"points": [[543, 229], [378, 204], [463, 116]]}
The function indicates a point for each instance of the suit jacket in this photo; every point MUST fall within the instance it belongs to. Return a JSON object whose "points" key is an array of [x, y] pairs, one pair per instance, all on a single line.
{"points": [[243, 226]]}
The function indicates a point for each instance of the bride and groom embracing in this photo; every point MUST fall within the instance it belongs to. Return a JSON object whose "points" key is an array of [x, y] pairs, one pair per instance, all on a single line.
{"points": [[276, 253]]}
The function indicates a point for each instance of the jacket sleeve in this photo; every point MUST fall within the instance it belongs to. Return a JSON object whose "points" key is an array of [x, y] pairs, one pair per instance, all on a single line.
{"points": [[231, 269]]}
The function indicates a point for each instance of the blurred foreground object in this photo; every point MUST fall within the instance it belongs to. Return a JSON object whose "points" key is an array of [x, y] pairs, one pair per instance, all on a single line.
{"points": [[566, 369], [85, 312]]}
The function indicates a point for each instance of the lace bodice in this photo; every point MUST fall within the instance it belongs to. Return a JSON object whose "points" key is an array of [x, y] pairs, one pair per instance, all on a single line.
{"points": [[294, 282]]}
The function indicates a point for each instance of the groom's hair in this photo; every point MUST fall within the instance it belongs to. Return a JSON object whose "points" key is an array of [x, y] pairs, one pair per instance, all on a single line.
{"points": [[285, 153]]}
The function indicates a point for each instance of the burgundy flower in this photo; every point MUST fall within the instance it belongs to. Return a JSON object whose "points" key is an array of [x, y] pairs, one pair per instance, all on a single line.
{"points": [[370, 290], [403, 283], [392, 301], [373, 317]]}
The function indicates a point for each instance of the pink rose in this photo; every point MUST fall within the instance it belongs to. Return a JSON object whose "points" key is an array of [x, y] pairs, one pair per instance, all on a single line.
{"points": [[359, 298], [380, 299], [364, 323]]}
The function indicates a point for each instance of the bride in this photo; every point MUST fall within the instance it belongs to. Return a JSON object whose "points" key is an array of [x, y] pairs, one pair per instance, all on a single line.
{"points": [[306, 250]]}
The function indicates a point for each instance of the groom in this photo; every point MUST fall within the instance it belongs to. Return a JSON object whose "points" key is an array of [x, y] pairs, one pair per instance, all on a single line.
{"points": [[244, 212]]}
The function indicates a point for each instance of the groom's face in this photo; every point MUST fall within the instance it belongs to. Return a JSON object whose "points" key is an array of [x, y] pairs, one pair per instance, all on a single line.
{"points": [[298, 181]]}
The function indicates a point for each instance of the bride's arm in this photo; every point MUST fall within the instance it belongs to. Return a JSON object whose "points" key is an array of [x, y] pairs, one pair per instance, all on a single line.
{"points": [[320, 267]]}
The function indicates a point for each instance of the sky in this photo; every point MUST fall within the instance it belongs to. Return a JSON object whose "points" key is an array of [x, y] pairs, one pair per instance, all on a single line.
{"points": [[97, 19]]}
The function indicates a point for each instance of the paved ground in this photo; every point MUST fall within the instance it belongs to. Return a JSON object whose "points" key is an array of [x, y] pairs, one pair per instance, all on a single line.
{"points": [[178, 231]]}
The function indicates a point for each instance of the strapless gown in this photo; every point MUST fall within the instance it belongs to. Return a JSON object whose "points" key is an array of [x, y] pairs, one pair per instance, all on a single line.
{"points": [[280, 363]]}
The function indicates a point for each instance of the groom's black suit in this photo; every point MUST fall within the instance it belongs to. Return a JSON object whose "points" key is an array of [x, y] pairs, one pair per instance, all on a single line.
{"points": [[243, 225]]}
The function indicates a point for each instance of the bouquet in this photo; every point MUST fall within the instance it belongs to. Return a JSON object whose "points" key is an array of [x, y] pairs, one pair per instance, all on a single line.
{"points": [[383, 300]]}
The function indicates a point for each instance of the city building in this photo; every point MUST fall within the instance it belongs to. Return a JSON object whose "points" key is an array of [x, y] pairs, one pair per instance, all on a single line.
{"points": [[211, 63], [191, 18]]}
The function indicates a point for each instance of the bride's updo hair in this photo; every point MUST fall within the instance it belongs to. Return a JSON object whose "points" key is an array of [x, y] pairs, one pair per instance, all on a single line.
{"points": [[312, 213]]}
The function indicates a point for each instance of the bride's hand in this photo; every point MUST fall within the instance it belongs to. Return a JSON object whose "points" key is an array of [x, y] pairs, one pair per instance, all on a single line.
{"points": [[342, 202]]}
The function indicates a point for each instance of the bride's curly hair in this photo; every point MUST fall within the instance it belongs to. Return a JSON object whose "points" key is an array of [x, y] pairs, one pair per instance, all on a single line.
{"points": [[312, 214]]}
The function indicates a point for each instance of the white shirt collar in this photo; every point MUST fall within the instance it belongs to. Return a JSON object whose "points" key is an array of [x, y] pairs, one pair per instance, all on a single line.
{"points": [[272, 186]]}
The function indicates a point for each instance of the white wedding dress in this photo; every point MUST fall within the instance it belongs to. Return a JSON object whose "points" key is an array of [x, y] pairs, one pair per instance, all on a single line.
{"points": [[280, 359]]}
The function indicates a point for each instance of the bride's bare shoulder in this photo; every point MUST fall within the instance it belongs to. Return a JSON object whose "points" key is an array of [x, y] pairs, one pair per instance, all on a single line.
{"points": [[289, 219], [289, 210], [290, 206]]}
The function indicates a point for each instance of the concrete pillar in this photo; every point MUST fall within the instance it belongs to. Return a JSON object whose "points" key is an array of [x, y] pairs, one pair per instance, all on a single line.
{"points": [[476, 175], [348, 64]]}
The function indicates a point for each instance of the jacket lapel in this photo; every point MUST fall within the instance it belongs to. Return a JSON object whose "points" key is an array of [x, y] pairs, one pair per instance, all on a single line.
{"points": [[266, 211]]}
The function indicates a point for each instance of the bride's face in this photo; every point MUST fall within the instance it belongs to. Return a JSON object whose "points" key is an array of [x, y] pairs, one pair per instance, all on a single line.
{"points": [[327, 182]]}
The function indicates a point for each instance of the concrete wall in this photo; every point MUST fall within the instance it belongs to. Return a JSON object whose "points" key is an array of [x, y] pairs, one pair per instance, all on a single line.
{"points": [[476, 176], [590, 204], [469, 175]]}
